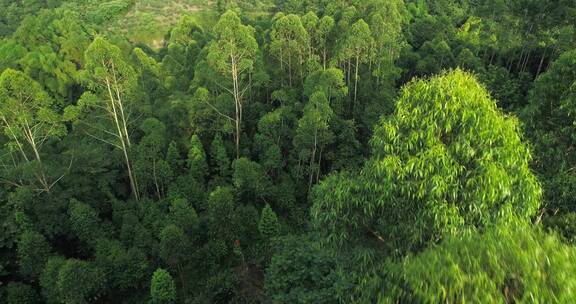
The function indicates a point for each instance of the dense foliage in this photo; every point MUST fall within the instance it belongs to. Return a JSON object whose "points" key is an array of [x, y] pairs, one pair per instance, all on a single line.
{"points": [[301, 151]]}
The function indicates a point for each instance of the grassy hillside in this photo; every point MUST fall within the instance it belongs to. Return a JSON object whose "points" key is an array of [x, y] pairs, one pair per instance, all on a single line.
{"points": [[148, 21]]}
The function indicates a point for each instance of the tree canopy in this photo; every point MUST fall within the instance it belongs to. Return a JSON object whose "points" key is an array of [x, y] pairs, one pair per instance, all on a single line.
{"points": [[297, 151]]}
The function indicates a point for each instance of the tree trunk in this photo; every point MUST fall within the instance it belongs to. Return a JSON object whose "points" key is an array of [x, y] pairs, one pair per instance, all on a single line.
{"points": [[238, 104], [355, 82], [541, 63], [156, 179], [312, 158], [121, 137]]}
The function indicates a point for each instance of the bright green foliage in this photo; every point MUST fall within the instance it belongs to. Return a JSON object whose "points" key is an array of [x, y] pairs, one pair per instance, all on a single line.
{"points": [[234, 46], [357, 47], [197, 165], [28, 118], [302, 272], [185, 42], [312, 136], [550, 119], [193, 132], [268, 225], [232, 54], [25, 105], [107, 68], [445, 160], [113, 82], [330, 82], [289, 45], [33, 252], [323, 36], [512, 264], [386, 25], [162, 288]]}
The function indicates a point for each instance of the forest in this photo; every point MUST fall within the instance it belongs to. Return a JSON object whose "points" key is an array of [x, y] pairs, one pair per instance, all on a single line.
{"points": [[287, 151]]}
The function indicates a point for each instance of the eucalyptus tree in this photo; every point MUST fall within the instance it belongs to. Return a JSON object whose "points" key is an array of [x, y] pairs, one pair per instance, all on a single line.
{"points": [[112, 83], [386, 25], [29, 118], [550, 118], [357, 46], [331, 82], [324, 34], [289, 45], [313, 134], [446, 160], [232, 54]]}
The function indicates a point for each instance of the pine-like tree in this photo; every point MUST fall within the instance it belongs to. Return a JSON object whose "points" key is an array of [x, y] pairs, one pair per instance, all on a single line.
{"points": [[162, 288], [197, 165], [268, 225]]}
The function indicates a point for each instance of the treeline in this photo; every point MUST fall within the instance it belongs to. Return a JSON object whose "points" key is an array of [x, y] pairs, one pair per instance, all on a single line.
{"points": [[317, 151]]}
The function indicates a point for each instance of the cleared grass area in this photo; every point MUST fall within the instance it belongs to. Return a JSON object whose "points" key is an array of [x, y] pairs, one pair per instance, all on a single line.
{"points": [[148, 21]]}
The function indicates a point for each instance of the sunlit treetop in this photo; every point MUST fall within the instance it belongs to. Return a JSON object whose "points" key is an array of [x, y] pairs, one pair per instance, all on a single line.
{"points": [[447, 159]]}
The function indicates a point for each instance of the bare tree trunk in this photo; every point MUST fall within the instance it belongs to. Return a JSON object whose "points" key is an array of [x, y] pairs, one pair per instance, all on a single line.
{"points": [[238, 104], [355, 81], [156, 179], [121, 137], [541, 63], [319, 164], [312, 158], [290, 71]]}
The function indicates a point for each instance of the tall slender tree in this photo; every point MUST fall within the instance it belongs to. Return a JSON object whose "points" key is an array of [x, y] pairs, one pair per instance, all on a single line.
{"points": [[232, 54], [357, 47], [29, 118], [112, 81]]}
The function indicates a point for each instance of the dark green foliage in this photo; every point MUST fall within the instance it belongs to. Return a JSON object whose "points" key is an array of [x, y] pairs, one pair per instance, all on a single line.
{"points": [[219, 160], [49, 279], [221, 205], [162, 287], [302, 271], [80, 281], [174, 159], [33, 252], [250, 179], [549, 119], [197, 165], [267, 151], [85, 223], [268, 225], [125, 267], [20, 293], [183, 215], [174, 246], [564, 224]]}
